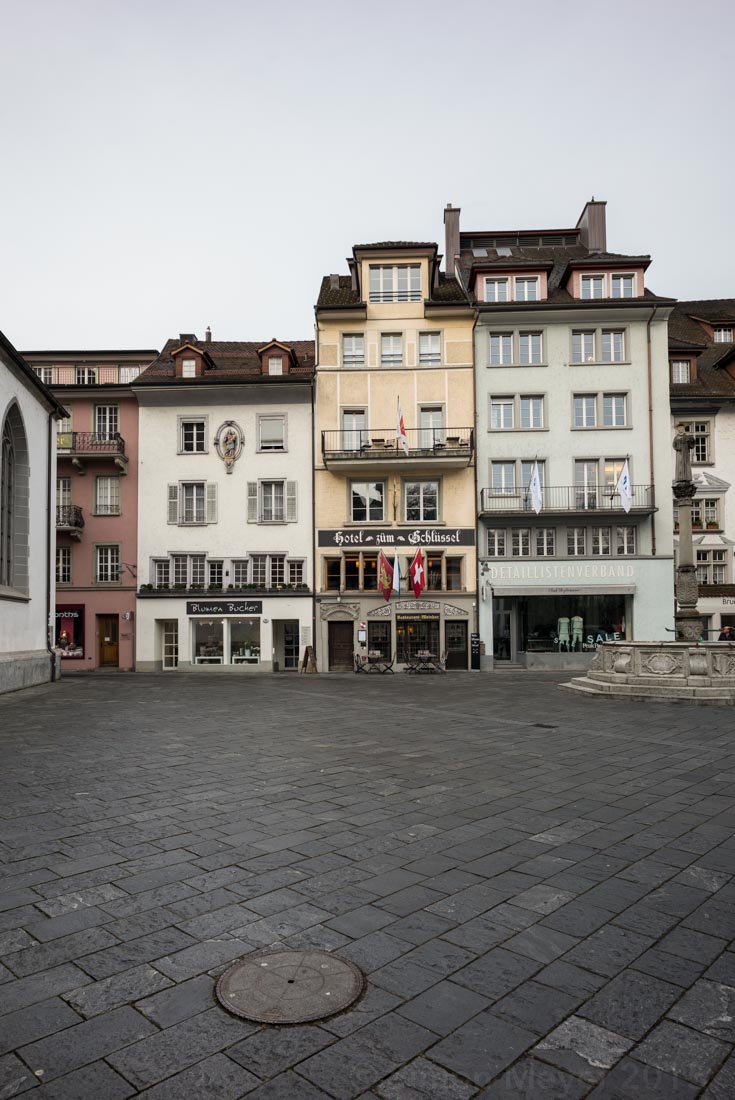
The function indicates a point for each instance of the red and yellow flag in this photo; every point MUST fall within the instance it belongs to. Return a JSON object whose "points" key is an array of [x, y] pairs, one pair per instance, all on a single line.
{"points": [[385, 575]]}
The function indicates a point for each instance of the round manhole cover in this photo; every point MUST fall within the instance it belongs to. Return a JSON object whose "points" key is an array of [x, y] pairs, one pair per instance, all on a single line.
{"points": [[289, 987]]}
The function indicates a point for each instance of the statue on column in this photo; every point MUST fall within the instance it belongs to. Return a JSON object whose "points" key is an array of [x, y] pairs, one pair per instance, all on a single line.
{"points": [[689, 625]]}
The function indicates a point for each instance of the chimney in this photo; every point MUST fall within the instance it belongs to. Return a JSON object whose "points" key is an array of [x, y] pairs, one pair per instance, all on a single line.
{"points": [[451, 236], [334, 282], [187, 338], [208, 335], [591, 226]]}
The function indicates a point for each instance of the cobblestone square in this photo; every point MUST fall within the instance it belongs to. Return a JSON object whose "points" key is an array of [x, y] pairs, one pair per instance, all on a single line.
{"points": [[538, 887]]}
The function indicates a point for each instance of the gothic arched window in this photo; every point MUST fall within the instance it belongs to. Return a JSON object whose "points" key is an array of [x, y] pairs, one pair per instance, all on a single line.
{"points": [[14, 517]]}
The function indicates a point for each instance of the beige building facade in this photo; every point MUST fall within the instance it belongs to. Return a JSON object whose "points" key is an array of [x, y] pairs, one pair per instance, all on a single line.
{"points": [[396, 332]]}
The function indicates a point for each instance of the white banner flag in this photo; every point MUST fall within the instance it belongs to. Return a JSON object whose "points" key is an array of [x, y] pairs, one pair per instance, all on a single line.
{"points": [[624, 487], [396, 576], [401, 436], [537, 496]]}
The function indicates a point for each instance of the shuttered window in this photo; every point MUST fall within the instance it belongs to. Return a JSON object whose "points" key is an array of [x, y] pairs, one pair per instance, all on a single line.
{"points": [[192, 502], [272, 502]]}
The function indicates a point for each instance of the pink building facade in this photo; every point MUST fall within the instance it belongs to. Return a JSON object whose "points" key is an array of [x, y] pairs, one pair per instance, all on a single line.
{"points": [[96, 504]]}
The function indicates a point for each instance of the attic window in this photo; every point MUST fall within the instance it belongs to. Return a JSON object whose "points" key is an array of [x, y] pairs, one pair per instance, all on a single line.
{"points": [[722, 334], [275, 364], [503, 250], [681, 371], [188, 368]]}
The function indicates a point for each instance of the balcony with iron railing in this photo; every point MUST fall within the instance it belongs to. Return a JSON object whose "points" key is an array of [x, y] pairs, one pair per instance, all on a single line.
{"points": [[82, 447], [358, 449], [566, 499], [69, 520]]}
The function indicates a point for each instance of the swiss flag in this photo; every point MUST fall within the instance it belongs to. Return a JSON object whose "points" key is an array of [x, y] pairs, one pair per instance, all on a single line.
{"points": [[417, 573]]}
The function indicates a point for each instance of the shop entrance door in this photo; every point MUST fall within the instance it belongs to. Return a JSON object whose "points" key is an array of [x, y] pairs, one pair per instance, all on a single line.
{"points": [[291, 645], [501, 635], [341, 655], [455, 635], [170, 644], [108, 645]]}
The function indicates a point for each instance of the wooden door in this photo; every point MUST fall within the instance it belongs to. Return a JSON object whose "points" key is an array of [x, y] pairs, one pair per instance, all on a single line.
{"points": [[341, 649], [109, 648], [456, 639]]}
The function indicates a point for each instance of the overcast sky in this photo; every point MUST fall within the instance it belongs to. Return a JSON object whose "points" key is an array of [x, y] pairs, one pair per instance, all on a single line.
{"points": [[170, 164]]}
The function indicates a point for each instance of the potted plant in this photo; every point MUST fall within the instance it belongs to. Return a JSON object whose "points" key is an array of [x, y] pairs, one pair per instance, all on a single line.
{"points": [[712, 525], [146, 587]]}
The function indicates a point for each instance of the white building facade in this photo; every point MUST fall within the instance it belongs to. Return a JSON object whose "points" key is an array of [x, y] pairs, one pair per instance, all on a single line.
{"points": [[572, 379], [225, 536], [28, 414], [702, 365]]}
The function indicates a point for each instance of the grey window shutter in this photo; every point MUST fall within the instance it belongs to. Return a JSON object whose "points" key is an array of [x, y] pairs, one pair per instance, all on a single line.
{"points": [[252, 502], [211, 502], [291, 502], [173, 504]]}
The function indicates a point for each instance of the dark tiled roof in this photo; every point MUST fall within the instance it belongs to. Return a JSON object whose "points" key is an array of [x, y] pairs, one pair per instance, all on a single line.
{"points": [[448, 290], [341, 295], [396, 244], [233, 361], [688, 337]]}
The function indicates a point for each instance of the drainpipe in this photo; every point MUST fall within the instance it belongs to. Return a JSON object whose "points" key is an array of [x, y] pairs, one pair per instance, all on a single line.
{"points": [[650, 429], [50, 531], [313, 493]]}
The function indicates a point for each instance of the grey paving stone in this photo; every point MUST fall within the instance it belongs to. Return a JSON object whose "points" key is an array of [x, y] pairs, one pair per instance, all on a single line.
{"points": [[26, 1024], [272, 1050], [179, 1002], [124, 956], [708, 1007], [421, 1080], [288, 1086], [404, 977], [15, 1078], [444, 1007], [482, 1048], [354, 1064], [536, 1007], [540, 943], [496, 973], [93, 1082], [55, 927], [121, 989], [609, 950], [374, 1003], [39, 987], [201, 957], [683, 1052], [67, 949], [215, 1078], [542, 899], [632, 1080], [670, 968], [479, 934], [165, 1053], [149, 899], [631, 1003], [86, 1042], [583, 1048], [530, 1079], [722, 1087], [161, 876], [578, 918], [361, 921], [419, 927], [375, 950], [722, 969]]}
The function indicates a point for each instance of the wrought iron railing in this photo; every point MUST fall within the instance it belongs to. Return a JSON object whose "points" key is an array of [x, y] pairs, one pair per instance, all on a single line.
{"points": [[91, 443], [69, 515], [382, 443], [565, 498]]}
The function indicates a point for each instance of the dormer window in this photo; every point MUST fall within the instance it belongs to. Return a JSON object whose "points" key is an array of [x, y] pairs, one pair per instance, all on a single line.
{"points": [[681, 371], [526, 289], [591, 286], [722, 334], [395, 283], [496, 290], [622, 286], [188, 368], [275, 365]]}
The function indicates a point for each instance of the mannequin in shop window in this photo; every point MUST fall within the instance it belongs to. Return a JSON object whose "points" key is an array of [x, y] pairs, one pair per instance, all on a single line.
{"points": [[577, 631], [562, 631]]}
